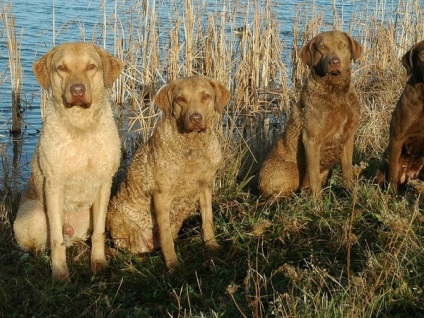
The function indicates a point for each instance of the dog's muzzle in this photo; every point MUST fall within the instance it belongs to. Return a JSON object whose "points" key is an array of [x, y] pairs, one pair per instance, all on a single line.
{"points": [[78, 97], [196, 122], [335, 66]]}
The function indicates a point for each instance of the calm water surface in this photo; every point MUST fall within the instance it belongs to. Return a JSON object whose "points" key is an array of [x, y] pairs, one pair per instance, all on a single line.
{"points": [[34, 20]]}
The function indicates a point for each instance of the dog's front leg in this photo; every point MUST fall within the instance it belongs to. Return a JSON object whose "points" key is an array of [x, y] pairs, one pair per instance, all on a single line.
{"points": [[99, 210], [395, 151], [54, 205], [313, 157], [346, 161], [162, 206], [207, 219]]}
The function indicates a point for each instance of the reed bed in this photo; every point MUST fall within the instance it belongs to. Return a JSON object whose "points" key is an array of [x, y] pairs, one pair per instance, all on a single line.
{"points": [[247, 55], [357, 253]]}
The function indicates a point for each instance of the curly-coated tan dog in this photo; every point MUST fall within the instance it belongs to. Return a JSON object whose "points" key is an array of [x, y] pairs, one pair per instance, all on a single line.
{"points": [[76, 157], [173, 173], [321, 127], [404, 157]]}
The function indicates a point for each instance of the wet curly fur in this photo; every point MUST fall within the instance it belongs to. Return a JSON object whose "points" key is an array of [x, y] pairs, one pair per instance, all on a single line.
{"points": [[171, 176], [76, 156], [321, 127]]}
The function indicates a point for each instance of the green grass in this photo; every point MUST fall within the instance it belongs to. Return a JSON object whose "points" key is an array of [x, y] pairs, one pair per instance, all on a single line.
{"points": [[356, 254]]}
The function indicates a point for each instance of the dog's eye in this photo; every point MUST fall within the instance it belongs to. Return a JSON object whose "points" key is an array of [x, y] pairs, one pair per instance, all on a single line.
{"points": [[61, 68], [91, 67], [322, 46], [206, 97], [343, 45], [180, 100]]}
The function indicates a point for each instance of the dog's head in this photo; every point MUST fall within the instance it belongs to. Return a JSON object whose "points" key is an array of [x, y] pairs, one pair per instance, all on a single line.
{"points": [[330, 53], [193, 102], [76, 73], [413, 61]]}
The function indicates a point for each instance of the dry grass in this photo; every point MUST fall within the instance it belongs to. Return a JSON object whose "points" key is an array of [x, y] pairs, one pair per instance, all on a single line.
{"points": [[357, 254]]}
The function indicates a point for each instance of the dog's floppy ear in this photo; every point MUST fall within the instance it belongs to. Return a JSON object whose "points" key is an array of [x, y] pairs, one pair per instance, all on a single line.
{"points": [[355, 48], [306, 53], [407, 60], [163, 99], [222, 96], [42, 70], [112, 67]]}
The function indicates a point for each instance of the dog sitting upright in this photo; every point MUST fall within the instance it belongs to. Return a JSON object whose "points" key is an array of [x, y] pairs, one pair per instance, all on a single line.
{"points": [[404, 157], [76, 157], [320, 130], [172, 175]]}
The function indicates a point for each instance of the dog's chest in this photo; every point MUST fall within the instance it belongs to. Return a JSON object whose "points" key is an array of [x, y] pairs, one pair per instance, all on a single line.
{"points": [[89, 156], [198, 163], [81, 164], [338, 130], [337, 115], [189, 163], [330, 119]]}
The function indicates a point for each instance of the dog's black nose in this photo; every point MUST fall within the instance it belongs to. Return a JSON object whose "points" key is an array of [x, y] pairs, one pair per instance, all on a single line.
{"points": [[335, 61], [77, 89], [196, 118]]}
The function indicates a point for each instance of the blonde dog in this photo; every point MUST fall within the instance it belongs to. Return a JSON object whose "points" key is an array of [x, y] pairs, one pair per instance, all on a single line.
{"points": [[76, 157]]}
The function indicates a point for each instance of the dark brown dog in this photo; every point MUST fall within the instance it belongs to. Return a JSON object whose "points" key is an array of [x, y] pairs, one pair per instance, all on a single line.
{"points": [[404, 156], [321, 127]]}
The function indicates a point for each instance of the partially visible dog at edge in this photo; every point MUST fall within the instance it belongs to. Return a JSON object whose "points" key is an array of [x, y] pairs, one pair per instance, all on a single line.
{"points": [[76, 156], [321, 127], [404, 157], [172, 175]]}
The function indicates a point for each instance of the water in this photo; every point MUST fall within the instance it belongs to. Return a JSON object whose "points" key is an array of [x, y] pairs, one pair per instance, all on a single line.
{"points": [[42, 25]]}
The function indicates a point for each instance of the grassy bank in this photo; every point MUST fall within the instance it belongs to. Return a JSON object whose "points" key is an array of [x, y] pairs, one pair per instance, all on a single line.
{"points": [[358, 253]]}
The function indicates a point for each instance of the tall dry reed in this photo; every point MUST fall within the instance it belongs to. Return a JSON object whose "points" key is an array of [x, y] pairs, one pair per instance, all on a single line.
{"points": [[242, 46], [13, 42]]}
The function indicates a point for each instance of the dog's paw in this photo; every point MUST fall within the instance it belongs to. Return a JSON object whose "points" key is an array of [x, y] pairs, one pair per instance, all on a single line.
{"points": [[213, 245], [173, 265], [348, 184], [98, 266], [61, 274]]}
